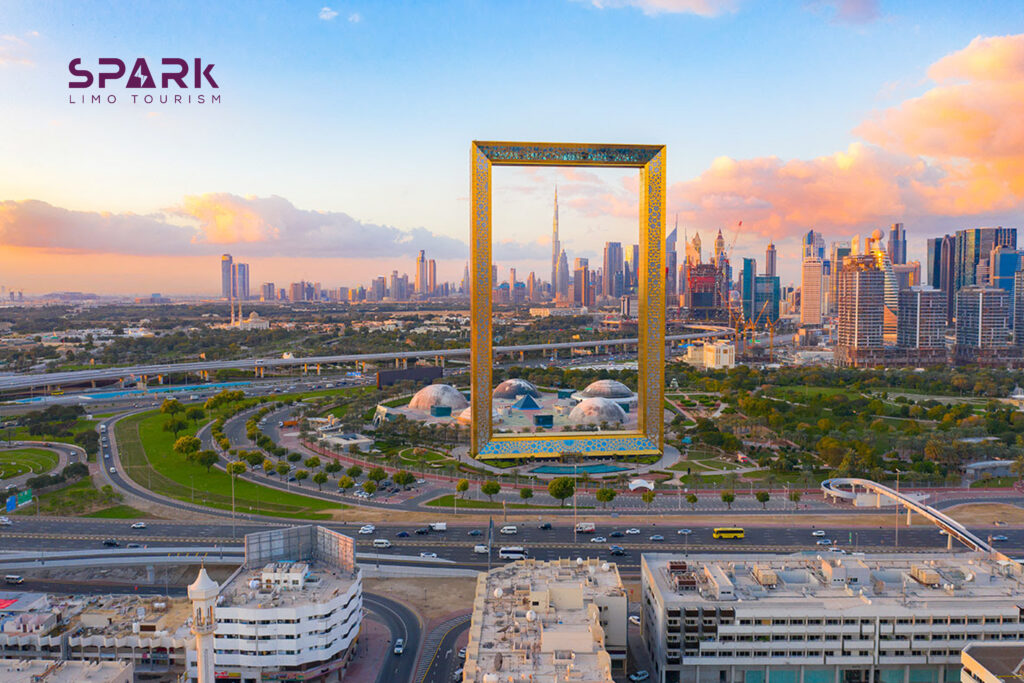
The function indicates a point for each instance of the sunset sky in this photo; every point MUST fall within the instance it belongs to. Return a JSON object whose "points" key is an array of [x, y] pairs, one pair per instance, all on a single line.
{"points": [[341, 145]]}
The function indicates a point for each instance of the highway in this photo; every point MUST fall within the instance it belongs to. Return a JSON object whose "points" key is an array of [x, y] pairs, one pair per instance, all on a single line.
{"points": [[56, 379]]}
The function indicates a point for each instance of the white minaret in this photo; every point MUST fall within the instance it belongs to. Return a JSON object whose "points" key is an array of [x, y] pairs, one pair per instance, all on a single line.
{"points": [[203, 594]]}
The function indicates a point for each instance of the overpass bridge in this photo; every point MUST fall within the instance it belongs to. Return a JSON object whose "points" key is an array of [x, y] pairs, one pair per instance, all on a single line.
{"points": [[257, 365], [954, 529]]}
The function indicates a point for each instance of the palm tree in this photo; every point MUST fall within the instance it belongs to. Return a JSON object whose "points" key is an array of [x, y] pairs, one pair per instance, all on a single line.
{"points": [[1017, 467]]}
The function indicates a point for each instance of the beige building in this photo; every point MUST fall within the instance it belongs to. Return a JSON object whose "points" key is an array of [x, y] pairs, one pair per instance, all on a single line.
{"points": [[548, 622], [711, 356], [55, 671], [986, 663], [811, 291]]}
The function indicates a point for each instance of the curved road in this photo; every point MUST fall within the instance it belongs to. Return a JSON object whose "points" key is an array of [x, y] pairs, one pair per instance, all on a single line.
{"points": [[402, 623]]}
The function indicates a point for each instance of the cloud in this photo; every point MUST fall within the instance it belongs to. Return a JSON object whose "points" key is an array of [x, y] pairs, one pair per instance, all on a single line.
{"points": [[847, 11], [703, 8], [209, 223], [13, 50], [355, 18], [326, 13]]}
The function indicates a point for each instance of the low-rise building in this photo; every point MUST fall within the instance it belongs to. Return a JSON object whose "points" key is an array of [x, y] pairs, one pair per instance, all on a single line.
{"points": [[824, 618], [547, 622], [984, 663], [57, 671]]}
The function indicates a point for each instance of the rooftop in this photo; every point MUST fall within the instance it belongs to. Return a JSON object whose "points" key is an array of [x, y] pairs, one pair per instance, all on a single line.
{"points": [[117, 616], [1003, 660], [53, 671], [539, 620], [855, 585], [318, 582]]}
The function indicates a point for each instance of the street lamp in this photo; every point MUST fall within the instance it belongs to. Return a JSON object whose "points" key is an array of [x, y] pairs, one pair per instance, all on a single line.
{"points": [[898, 473]]}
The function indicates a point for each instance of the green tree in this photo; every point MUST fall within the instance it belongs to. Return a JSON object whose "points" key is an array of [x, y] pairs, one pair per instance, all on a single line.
{"points": [[763, 497], [728, 497], [692, 499], [268, 465], [206, 458], [175, 425], [332, 467], [187, 445], [195, 414], [648, 498], [403, 478], [526, 493], [300, 476], [294, 457], [320, 478], [561, 488], [489, 488], [254, 458], [461, 487], [171, 406], [345, 482], [355, 471], [370, 486], [794, 496], [312, 462], [282, 468], [377, 475], [605, 495]]}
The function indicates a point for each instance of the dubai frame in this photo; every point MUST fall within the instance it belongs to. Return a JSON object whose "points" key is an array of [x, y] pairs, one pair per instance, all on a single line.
{"points": [[648, 437]]}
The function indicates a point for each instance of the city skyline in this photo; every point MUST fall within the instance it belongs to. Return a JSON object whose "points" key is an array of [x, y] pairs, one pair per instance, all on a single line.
{"points": [[921, 133]]}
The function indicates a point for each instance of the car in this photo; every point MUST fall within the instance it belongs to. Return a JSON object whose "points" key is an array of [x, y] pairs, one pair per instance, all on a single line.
{"points": [[617, 550], [111, 543], [633, 532], [107, 456], [367, 529], [462, 653], [685, 532], [837, 551], [545, 526], [825, 541], [475, 532], [113, 470], [428, 555], [818, 532], [639, 676], [616, 534], [292, 479], [423, 530], [5, 521], [656, 538], [139, 525], [133, 545], [402, 534], [943, 532], [399, 646], [457, 674], [634, 619], [599, 539], [1000, 538]]}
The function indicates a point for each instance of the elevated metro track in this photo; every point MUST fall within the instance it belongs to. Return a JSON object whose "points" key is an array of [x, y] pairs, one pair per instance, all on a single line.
{"points": [[57, 379], [953, 528]]}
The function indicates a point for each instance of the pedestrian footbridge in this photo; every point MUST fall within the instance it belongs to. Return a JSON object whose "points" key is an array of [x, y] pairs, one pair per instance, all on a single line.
{"points": [[846, 488]]}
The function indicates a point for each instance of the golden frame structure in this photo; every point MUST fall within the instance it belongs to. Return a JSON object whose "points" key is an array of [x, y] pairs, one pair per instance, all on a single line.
{"points": [[648, 438]]}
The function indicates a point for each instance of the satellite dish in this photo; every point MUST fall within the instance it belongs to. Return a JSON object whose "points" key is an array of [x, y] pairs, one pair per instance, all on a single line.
{"points": [[498, 592]]}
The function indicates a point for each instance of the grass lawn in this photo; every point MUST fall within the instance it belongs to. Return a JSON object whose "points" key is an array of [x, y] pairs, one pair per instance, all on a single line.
{"points": [[21, 433], [146, 453], [810, 392], [425, 455], [25, 460], [994, 482], [446, 501], [74, 499], [118, 512]]}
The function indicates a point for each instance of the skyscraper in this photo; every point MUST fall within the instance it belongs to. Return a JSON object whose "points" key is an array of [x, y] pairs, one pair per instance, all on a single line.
{"points": [[981, 324], [861, 301], [556, 250], [670, 265], [891, 290], [631, 280], [1018, 308], [1003, 264], [268, 292], [613, 282], [769, 259], [813, 245], [810, 291], [933, 262], [242, 281], [974, 244], [840, 250], [431, 277], [421, 274], [563, 277], [759, 295], [227, 277], [921, 328], [581, 283], [897, 244]]}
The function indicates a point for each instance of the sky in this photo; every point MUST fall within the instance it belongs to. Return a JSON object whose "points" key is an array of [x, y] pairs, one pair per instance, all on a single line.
{"points": [[340, 146]]}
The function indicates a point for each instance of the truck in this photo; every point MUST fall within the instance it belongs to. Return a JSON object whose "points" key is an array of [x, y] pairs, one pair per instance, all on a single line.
{"points": [[585, 528], [439, 526]]}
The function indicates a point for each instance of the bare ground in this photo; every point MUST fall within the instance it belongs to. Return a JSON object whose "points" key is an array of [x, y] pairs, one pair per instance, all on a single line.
{"points": [[986, 513], [431, 598]]}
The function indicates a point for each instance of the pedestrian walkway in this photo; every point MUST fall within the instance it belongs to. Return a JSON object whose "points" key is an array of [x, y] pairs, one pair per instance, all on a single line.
{"points": [[433, 641], [371, 653]]}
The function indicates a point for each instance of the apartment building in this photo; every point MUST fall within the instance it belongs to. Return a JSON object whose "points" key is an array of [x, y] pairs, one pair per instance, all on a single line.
{"points": [[548, 622], [825, 618]]}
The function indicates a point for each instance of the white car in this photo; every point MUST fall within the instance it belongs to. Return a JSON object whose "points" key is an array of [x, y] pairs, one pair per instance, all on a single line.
{"points": [[399, 646], [632, 532], [429, 555], [599, 539], [139, 525], [635, 620], [367, 529], [113, 470], [818, 532], [4, 521], [685, 532]]}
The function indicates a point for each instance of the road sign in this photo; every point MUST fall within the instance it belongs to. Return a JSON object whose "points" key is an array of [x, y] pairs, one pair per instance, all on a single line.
{"points": [[12, 503], [24, 497]]}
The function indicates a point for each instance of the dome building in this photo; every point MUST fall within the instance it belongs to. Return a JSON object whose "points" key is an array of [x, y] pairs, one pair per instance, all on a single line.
{"points": [[512, 389], [438, 396], [609, 389], [597, 410]]}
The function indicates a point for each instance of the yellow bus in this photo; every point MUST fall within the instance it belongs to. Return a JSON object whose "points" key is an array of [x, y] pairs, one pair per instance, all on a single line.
{"points": [[727, 532]]}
